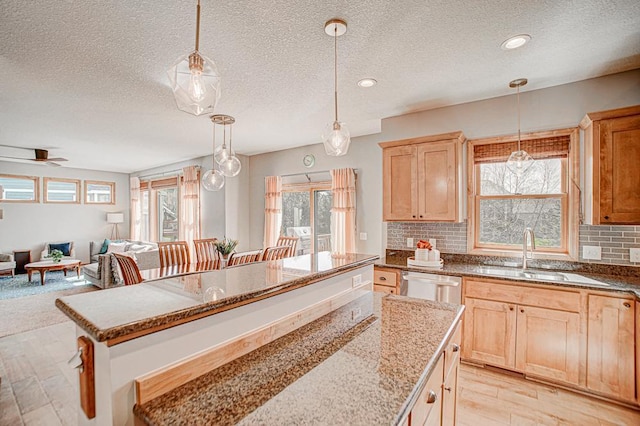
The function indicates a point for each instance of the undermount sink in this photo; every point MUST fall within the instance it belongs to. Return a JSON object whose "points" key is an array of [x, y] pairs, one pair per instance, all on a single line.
{"points": [[564, 277]]}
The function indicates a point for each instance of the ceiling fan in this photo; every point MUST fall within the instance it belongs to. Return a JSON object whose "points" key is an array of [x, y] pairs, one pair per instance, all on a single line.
{"points": [[41, 156]]}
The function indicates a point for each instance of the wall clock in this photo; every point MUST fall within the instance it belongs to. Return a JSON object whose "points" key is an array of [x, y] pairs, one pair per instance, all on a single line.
{"points": [[309, 160]]}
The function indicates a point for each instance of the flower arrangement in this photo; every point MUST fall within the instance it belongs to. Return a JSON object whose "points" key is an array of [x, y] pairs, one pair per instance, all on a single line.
{"points": [[226, 246], [55, 255]]}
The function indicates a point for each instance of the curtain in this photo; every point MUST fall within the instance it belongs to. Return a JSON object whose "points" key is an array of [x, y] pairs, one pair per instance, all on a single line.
{"points": [[190, 205], [343, 212], [272, 210], [135, 227]]}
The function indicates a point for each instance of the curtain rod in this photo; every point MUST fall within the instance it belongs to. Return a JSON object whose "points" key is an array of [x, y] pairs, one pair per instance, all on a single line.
{"points": [[313, 173], [162, 174]]}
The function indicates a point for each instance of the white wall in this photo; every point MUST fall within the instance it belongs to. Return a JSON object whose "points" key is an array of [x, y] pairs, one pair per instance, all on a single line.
{"points": [[552, 108], [219, 209], [27, 226]]}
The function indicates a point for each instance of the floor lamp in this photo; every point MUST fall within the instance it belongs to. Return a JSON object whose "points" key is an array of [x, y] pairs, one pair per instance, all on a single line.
{"points": [[115, 219]]}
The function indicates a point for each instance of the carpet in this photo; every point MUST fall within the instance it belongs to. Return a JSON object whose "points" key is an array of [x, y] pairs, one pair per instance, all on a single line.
{"points": [[28, 313], [19, 286]]}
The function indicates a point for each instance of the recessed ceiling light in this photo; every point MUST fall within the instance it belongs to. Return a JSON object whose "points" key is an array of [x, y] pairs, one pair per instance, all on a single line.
{"points": [[515, 42], [367, 82]]}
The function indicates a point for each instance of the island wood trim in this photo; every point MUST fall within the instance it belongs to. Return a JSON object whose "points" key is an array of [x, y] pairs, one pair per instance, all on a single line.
{"points": [[134, 335], [163, 380], [87, 378]]}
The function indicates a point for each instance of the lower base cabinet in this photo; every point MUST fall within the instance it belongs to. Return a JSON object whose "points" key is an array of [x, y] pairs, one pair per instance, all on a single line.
{"points": [[586, 339], [611, 354], [386, 280], [438, 400]]}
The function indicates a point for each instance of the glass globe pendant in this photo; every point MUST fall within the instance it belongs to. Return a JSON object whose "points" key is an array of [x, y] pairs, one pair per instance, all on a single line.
{"points": [[213, 180], [231, 165], [195, 80], [519, 161], [336, 137]]}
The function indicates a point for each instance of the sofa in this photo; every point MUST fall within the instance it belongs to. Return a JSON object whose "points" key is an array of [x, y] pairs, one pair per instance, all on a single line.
{"points": [[7, 264], [71, 255], [103, 270]]}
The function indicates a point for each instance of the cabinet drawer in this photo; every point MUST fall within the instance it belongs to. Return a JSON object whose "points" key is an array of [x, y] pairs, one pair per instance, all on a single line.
{"points": [[523, 295], [384, 289], [384, 277], [452, 351]]}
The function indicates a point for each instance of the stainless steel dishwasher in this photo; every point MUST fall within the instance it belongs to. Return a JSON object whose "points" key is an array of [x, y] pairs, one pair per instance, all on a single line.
{"points": [[423, 285]]}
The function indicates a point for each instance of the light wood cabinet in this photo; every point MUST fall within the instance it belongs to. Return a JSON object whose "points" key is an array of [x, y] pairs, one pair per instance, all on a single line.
{"points": [[450, 386], [612, 154], [611, 352], [490, 332], [548, 343], [505, 332], [428, 408], [386, 280], [422, 178]]}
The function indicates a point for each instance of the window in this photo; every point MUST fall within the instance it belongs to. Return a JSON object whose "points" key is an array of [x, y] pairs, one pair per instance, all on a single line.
{"points": [[58, 190], [96, 192], [545, 199], [19, 189], [160, 209], [306, 214]]}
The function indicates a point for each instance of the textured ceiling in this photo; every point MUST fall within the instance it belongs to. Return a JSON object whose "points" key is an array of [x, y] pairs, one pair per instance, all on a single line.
{"points": [[87, 79]]}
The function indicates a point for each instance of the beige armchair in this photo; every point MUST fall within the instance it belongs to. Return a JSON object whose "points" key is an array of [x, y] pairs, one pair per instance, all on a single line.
{"points": [[7, 264], [72, 250]]}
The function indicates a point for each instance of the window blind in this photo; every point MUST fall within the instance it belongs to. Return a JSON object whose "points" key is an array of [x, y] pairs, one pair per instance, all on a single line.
{"points": [[553, 147]]}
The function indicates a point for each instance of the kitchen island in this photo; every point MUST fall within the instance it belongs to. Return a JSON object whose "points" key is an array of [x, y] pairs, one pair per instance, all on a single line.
{"points": [[145, 337], [366, 363]]}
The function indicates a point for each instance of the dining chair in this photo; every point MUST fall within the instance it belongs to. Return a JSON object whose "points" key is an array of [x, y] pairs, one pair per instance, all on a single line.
{"points": [[174, 253], [276, 252], [206, 250], [244, 257], [129, 267], [292, 242]]}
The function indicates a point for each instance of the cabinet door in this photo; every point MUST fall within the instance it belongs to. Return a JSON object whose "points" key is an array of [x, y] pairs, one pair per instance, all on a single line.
{"points": [[450, 396], [619, 177], [399, 187], [490, 332], [437, 182], [428, 408], [610, 359], [548, 343]]}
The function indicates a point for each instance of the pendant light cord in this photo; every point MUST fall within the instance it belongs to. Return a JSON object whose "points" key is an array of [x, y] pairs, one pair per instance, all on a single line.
{"points": [[518, 97], [198, 26], [335, 67], [213, 155], [230, 137]]}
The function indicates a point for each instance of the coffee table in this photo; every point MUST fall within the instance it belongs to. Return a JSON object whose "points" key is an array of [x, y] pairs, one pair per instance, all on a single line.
{"points": [[47, 265]]}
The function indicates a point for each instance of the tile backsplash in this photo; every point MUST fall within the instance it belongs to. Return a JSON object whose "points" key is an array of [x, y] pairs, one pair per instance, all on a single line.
{"points": [[614, 241]]}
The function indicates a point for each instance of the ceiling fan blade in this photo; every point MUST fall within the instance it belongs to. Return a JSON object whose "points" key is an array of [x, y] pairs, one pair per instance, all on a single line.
{"points": [[51, 163], [57, 159]]}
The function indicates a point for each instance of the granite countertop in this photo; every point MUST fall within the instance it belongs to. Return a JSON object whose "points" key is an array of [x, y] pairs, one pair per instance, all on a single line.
{"points": [[336, 370], [567, 277], [118, 312]]}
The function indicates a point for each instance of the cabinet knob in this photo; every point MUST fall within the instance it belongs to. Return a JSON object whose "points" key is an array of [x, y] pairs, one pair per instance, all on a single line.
{"points": [[511, 308], [522, 310], [420, 216], [626, 305], [383, 278], [448, 389], [432, 397], [456, 347], [414, 216], [606, 217]]}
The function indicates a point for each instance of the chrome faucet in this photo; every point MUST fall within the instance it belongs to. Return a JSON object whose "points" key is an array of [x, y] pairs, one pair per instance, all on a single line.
{"points": [[528, 234]]}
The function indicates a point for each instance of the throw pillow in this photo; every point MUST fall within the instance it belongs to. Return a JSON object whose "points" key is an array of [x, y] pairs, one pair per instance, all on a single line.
{"points": [[117, 248], [105, 246], [65, 248]]}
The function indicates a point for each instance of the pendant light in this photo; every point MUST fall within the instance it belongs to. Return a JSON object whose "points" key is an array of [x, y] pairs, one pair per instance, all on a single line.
{"points": [[519, 161], [195, 80], [229, 165], [336, 137], [213, 180]]}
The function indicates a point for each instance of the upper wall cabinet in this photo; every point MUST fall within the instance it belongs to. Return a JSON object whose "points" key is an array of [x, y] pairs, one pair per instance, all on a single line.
{"points": [[612, 156], [422, 178]]}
